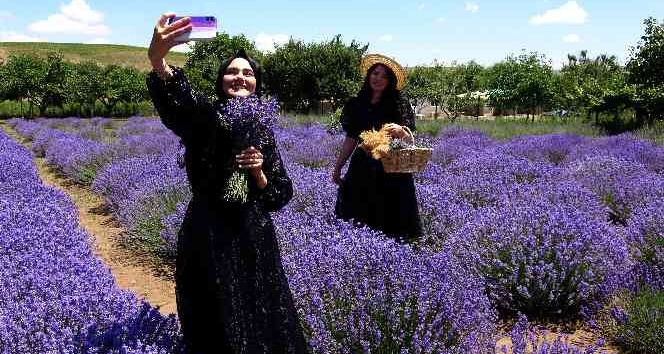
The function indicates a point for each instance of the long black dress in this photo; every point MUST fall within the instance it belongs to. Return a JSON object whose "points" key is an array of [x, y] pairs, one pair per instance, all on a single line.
{"points": [[232, 293], [383, 201]]}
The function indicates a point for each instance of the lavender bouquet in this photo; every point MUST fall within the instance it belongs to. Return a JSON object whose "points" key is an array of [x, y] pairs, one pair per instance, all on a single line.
{"points": [[247, 118]]}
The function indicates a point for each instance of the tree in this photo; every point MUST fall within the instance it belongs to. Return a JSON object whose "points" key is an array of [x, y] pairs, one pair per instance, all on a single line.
{"points": [[417, 86], [290, 75], [525, 82], [335, 69], [53, 93], [645, 71], [595, 86], [122, 84], [302, 73], [85, 85], [25, 79]]}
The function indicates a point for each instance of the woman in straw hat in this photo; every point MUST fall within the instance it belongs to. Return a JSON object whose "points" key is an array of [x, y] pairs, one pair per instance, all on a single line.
{"points": [[232, 292], [368, 195]]}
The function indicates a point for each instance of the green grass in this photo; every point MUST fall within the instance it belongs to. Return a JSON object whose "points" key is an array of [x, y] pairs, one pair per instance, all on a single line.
{"points": [[498, 127], [643, 328], [104, 54], [508, 127], [653, 132]]}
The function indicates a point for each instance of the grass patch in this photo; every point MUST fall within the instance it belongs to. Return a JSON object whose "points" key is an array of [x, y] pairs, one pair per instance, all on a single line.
{"points": [[509, 127], [653, 132], [104, 54]]}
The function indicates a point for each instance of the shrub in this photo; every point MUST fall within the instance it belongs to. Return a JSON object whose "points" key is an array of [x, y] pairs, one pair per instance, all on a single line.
{"points": [[541, 256]]}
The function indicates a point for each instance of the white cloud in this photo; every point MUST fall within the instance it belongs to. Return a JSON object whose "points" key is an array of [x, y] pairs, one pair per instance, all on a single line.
{"points": [[99, 40], [421, 6], [572, 38], [18, 37], [80, 11], [569, 13], [441, 20], [268, 42], [75, 18], [6, 16], [386, 38], [472, 7]]}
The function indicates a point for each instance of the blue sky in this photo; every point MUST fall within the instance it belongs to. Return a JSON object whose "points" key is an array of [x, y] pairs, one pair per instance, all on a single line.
{"points": [[412, 31]]}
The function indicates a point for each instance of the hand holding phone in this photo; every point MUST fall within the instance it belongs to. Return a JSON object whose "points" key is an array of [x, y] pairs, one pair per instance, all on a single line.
{"points": [[163, 39], [203, 28]]}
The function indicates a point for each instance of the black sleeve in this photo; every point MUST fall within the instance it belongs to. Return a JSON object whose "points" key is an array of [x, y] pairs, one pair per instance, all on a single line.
{"points": [[407, 114], [279, 189], [181, 109], [349, 120]]}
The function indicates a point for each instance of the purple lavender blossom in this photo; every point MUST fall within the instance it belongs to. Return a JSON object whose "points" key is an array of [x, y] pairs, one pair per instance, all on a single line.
{"points": [[541, 257], [645, 234], [55, 290]]}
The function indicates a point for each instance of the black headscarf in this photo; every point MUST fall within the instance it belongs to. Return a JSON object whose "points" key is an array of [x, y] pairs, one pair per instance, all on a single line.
{"points": [[224, 65]]}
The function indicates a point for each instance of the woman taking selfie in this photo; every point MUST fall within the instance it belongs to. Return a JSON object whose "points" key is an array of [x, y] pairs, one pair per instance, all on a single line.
{"points": [[232, 292], [383, 201]]}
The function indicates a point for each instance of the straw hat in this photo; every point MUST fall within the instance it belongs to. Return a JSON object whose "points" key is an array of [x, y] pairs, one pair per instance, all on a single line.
{"points": [[371, 59]]}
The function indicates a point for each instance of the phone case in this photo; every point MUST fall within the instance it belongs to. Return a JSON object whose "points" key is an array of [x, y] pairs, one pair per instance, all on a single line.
{"points": [[204, 29]]}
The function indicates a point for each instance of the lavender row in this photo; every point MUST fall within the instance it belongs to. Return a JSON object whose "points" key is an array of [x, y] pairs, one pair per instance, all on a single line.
{"points": [[550, 223], [57, 296]]}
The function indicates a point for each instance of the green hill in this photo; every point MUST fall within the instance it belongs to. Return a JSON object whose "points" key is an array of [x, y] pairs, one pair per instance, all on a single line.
{"points": [[104, 54]]}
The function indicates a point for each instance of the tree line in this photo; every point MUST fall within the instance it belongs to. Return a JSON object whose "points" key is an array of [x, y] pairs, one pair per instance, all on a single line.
{"points": [[600, 89], [54, 86], [304, 74]]}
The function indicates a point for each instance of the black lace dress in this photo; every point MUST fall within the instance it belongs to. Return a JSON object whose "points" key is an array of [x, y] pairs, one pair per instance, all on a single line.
{"points": [[383, 201], [232, 293]]}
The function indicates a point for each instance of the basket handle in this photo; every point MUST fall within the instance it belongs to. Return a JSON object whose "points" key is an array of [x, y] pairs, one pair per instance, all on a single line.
{"points": [[405, 127]]}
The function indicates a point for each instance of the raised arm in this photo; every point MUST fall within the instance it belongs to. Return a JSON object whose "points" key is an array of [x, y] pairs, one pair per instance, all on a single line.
{"points": [[181, 109], [178, 106]]}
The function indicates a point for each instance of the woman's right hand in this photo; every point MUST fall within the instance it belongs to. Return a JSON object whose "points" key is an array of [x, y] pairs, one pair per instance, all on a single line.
{"points": [[336, 176], [163, 38]]}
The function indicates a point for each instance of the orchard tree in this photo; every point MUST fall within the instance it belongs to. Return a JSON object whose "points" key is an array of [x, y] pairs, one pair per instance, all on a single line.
{"points": [[335, 69], [645, 70], [290, 75], [122, 84], [85, 85], [417, 86], [302, 73], [524, 82], [53, 93], [25, 79], [594, 85]]}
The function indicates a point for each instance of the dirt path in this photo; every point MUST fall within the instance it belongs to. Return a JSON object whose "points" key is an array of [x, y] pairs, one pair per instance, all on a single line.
{"points": [[129, 273]]}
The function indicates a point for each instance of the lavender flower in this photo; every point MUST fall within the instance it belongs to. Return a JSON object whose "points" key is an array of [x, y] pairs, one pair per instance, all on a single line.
{"points": [[243, 116]]}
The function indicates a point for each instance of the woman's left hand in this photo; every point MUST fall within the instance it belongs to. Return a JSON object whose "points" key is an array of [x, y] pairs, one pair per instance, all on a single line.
{"points": [[396, 131], [251, 159]]}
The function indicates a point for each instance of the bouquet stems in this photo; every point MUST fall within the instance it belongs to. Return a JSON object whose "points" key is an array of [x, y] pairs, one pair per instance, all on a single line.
{"points": [[237, 189]]}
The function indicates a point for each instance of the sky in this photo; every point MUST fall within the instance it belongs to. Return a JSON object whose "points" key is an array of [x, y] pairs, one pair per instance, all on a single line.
{"points": [[414, 32]]}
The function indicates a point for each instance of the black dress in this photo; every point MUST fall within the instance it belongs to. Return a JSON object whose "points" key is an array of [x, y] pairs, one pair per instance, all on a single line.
{"points": [[232, 292], [383, 201]]}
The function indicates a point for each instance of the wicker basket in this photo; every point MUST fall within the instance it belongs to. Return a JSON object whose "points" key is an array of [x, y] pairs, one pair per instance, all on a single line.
{"points": [[408, 160]]}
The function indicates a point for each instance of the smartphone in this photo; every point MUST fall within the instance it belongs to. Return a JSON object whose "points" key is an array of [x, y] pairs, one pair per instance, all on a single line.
{"points": [[203, 29]]}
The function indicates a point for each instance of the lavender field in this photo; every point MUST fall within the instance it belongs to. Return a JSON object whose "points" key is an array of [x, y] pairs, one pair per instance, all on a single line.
{"points": [[535, 227]]}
